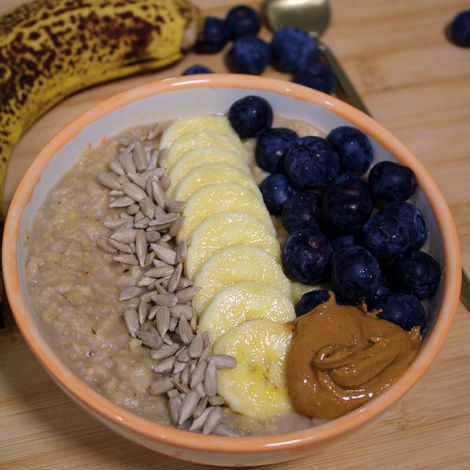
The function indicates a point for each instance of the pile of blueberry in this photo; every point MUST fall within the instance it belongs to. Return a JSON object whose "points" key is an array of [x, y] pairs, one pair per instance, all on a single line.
{"points": [[291, 50], [357, 234]]}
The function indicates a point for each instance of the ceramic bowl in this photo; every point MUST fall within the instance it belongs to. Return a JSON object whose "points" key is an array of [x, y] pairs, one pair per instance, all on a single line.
{"points": [[170, 99]]}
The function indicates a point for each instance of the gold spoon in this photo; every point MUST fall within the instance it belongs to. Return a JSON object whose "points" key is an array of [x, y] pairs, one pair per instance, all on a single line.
{"points": [[314, 16]]}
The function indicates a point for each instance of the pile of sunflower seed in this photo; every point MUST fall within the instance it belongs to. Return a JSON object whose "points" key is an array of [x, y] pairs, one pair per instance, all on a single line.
{"points": [[160, 312]]}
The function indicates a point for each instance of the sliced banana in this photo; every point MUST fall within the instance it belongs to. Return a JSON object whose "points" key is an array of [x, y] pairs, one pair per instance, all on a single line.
{"points": [[224, 229], [198, 157], [220, 197], [213, 173], [233, 265], [219, 124], [257, 386], [244, 301], [204, 139]]}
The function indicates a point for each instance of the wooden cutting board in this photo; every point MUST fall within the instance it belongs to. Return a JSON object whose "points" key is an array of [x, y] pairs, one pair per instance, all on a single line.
{"points": [[417, 85]]}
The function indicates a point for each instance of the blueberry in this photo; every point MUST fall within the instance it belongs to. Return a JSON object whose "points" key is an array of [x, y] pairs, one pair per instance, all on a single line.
{"points": [[310, 300], [276, 190], [214, 36], [353, 148], [346, 206], [197, 69], [460, 29], [242, 21], [391, 181], [271, 147], [248, 54], [310, 162], [301, 211], [250, 116], [343, 241], [416, 273], [413, 220], [318, 76], [292, 49], [403, 310], [305, 256], [355, 274], [385, 237], [377, 300], [347, 177]]}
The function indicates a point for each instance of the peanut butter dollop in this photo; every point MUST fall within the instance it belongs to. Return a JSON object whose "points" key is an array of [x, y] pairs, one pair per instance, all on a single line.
{"points": [[341, 357]]}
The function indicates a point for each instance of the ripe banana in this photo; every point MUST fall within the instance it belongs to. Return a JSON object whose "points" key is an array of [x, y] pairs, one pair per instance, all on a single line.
{"points": [[52, 48]]}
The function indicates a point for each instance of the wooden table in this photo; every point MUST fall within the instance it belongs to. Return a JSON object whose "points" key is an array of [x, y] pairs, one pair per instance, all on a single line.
{"points": [[417, 85]]}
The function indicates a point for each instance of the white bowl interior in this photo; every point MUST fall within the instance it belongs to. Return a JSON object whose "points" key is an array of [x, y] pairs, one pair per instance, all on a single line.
{"points": [[171, 105]]}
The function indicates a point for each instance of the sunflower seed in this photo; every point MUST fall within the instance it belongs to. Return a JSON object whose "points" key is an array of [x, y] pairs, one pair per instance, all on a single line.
{"points": [[165, 181], [176, 206], [126, 162], [210, 379], [201, 406], [185, 375], [162, 319], [181, 252], [152, 340], [164, 352], [116, 193], [180, 387], [121, 202], [162, 271], [140, 157], [163, 157], [214, 418], [199, 420], [175, 277], [185, 331], [173, 324], [200, 389], [142, 311], [166, 300], [223, 361], [183, 355], [165, 366], [147, 206], [190, 402], [142, 223], [132, 209], [174, 405], [131, 321], [178, 368], [114, 224], [165, 254], [173, 393], [126, 259], [137, 179], [184, 282], [122, 247], [145, 281], [159, 195], [206, 337], [133, 191], [216, 400], [130, 293], [161, 386], [198, 375], [185, 295], [153, 236], [124, 235], [164, 220], [205, 353], [154, 132], [158, 286], [175, 227], [109, 180], [165, 239], [116, 168], [103, 244], [141, 247], [179, 310], [154, 173], [196, 347], [123, 179], [167, 340]]}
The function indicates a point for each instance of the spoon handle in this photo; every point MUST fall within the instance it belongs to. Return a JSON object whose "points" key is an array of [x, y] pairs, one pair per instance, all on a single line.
{"points": [[352, 97]]}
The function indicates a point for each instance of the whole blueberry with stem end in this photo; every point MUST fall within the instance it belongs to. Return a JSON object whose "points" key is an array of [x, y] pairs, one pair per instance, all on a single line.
{"points": [[276, 190], [460, 29], [377, 300], [311, 162], [310, 300], [353, 147], [213, 38], [241, 21], [318, 76], [391, 181], [346, 206], [292, 49], [250, 116], [385, 237], [404, 310], [355, 274], [197, 69], [412, 219], [271, 147], [416, 273], [249, 55], [305, 256], [301, 211]]}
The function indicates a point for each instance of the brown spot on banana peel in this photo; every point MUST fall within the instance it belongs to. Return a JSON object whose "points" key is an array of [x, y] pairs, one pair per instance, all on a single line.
{"points": [[50, 49]]}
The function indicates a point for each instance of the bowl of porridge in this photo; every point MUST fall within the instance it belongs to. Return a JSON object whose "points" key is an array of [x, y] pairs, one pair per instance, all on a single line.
{"points": [[230, 270]]}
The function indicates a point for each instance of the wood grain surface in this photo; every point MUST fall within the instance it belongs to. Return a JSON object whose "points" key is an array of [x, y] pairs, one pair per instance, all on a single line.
{"points": [[417, 85]]}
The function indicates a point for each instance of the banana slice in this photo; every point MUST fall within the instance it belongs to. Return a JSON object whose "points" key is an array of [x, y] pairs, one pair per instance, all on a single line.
{"points": [[245, 301], [257, 386], [220, 197], [213, 173], [204, 139], [198, 157], [233, 265], [219, 124], [224, 229]]}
